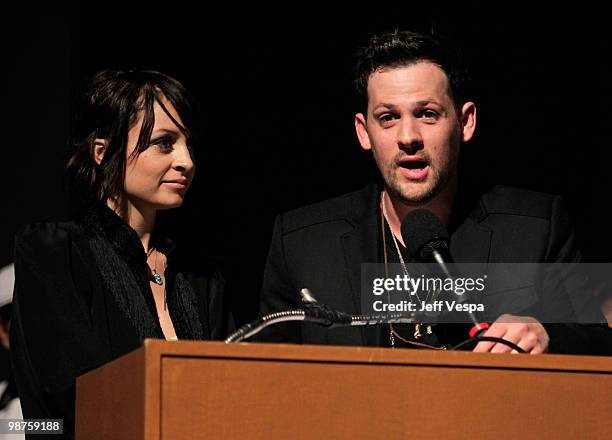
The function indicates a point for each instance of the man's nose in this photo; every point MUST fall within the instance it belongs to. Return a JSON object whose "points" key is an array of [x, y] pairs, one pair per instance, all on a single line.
{"points": [[409, 136]]}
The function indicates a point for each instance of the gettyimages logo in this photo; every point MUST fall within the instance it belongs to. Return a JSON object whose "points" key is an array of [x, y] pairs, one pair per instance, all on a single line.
{"points": [[551, 293]]}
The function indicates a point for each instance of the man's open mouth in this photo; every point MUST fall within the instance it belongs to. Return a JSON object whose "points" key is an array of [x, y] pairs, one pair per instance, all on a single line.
{"points": [[413, 164]]}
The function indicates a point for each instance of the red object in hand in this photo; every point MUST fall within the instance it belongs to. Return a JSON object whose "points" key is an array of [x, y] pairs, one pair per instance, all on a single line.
{"points": [[478, 328]]}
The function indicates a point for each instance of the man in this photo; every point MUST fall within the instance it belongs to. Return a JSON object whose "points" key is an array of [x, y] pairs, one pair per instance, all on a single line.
{"points": [[413, 119]]}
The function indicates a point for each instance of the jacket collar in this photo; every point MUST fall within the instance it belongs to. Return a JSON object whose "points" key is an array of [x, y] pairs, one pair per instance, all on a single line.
{"points": [[101, 221], [470, 242]]}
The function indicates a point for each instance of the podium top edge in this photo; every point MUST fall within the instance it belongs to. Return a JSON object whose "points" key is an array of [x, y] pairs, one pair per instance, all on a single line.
{"points": [[374, 356]]}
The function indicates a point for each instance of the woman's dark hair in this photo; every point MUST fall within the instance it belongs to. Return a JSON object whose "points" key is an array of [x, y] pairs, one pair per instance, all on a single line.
{"points": [[110, 106], [403, 48]]}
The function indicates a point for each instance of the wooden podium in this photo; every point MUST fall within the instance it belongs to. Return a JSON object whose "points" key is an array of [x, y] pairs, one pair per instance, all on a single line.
{"points": [[211, 390]]}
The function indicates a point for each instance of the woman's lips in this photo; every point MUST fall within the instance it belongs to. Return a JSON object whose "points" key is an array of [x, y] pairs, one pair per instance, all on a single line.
{"points": [[176, 184]]}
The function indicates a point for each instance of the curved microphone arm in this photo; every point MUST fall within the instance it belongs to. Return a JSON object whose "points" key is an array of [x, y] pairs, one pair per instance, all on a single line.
{"points": [[252, 328], [320, 314]]}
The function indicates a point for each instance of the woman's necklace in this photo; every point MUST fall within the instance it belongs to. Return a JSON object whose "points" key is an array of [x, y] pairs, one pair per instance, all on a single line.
{"points": [[157, 278]]}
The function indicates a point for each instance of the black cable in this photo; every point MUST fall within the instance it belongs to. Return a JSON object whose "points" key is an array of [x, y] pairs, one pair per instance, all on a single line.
{"points": [[491, 339]]}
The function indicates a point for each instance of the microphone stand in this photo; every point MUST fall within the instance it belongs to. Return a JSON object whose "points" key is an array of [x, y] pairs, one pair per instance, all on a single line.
{"points": [[320, 314], [313, 311]]}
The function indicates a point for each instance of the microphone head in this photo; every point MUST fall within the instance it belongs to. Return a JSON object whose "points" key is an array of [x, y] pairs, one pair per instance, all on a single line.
{"points": [[423, 233]]}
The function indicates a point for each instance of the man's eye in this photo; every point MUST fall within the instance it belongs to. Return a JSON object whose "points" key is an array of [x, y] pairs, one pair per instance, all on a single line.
{"points": [[429, 114], [386, 117]]}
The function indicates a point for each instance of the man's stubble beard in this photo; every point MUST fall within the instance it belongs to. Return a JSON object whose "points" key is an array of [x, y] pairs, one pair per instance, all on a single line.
{"points": [[404, 191]]}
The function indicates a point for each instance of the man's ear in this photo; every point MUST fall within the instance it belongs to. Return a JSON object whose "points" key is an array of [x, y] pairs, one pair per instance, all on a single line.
{"points": [[362, 131], [468, 121], [99, 148]]}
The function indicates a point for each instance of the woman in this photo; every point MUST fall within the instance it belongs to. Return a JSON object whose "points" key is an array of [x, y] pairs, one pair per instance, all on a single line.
{"points": [[91, 290]]}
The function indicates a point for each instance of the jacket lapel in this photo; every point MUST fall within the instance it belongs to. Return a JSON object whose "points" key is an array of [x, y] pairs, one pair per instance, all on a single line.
{"points": [[362, 245], [470, 243]]}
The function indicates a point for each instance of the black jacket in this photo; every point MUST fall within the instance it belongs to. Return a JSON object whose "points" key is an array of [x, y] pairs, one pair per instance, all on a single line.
{"points": [[322, 247], [82, 298]]}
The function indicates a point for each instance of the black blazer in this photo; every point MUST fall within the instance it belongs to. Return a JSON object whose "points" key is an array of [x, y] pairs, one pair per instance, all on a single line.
{"points": [[322, 247], [67, 321]]}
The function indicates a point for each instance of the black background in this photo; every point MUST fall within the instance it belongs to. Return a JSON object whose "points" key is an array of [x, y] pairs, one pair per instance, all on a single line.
{"points": [[275, 88]]}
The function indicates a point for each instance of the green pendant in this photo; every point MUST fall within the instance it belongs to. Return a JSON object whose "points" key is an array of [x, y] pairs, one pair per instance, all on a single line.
{"points": [[157, 278]]}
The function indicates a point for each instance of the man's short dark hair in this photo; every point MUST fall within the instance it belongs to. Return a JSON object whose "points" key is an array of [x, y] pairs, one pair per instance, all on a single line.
{"points": [[403, 48]]}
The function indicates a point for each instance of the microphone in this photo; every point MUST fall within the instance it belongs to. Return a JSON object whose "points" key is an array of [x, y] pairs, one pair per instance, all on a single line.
{"points": [[426, 239]]}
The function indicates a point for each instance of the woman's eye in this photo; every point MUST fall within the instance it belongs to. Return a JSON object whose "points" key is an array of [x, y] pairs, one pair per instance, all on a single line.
{"points": [[191, 144], [164, 144]]}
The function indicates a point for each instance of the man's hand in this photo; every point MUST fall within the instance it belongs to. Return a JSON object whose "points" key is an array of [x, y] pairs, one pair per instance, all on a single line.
{"points": [[524, 331]]}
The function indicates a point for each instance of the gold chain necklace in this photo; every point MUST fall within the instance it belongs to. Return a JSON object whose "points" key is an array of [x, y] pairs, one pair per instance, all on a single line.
{"points": [[418, 326], [397, 248]]}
